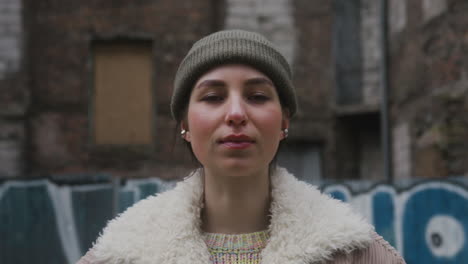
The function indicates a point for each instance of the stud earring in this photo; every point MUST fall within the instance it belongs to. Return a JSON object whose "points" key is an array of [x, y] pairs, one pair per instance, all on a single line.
{"points": [[286, 132], [183, 132]]}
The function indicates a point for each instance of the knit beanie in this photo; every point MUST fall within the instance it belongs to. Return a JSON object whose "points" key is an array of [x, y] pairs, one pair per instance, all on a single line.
{"points": [[229, 47]]}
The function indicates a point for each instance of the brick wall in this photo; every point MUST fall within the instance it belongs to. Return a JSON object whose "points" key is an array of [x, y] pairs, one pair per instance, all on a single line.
{"points": [[13, 92], [61, 74], [429, 90], [60, 49], [272, 18], [46, 77], [371, 51], [11, 36]]}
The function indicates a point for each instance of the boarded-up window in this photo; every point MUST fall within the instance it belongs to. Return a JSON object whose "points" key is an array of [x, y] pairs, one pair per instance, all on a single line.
{"points": [[123, 98]]}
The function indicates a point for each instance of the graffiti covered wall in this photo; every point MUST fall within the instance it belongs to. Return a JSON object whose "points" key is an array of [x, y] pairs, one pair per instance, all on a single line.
{"points": [[48, 223], [427, 223]]}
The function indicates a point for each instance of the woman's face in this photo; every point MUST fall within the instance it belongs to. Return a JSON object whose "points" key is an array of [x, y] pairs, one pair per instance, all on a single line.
{"points": [[234, 120]]}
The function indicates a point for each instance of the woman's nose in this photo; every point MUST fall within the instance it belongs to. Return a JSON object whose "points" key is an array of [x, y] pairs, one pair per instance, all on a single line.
{"points": [[236, 115]]}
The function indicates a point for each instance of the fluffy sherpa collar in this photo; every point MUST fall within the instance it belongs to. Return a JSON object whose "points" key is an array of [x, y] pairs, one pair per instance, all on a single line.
{"points": [[306, 227]]}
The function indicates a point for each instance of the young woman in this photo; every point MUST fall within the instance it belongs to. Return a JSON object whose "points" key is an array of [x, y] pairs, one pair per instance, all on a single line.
{"points": [[233, 99]]}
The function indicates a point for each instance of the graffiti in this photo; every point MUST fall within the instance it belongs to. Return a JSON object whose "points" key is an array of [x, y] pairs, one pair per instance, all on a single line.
{"points": [[42, 221], [427, 223], [440, 225]]}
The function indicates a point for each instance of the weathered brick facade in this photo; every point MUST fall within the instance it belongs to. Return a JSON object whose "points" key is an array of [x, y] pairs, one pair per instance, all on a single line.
{"points": [[13, 90], [46, 81], [60, 49], [429, 88]]}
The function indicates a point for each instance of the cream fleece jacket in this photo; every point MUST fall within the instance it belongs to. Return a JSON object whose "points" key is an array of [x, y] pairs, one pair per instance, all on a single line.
{"points": [[306, 227]]}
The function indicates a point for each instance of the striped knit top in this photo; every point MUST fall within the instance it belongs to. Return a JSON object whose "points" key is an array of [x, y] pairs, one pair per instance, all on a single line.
{"points": [[236, 249]]}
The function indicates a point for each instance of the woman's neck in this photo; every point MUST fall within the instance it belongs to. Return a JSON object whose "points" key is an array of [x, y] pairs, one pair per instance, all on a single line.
{"points": [[235, 205]]}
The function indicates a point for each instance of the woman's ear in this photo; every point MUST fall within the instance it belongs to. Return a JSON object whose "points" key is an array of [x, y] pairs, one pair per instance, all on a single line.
{"points": [[184, 131], [285, 124]]}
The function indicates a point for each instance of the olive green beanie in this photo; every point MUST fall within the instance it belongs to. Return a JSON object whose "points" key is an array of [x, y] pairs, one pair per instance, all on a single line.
{"points": [[227, 47]]}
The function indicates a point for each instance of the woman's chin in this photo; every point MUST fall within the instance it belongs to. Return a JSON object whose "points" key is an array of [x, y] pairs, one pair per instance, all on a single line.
{"points": [[240, 167]]}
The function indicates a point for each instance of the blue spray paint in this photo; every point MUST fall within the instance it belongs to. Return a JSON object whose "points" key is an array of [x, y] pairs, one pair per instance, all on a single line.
{"points": [[338, 192], [383, 209], [428, 223], [443, 242], [338, 195], [28, 229]]}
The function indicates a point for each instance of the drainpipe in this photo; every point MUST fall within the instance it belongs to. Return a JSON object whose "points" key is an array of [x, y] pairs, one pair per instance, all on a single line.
{"points": [[384, 105]]}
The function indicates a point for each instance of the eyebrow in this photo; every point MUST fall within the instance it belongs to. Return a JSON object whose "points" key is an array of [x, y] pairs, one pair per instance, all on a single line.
{"points": [[259, 81], [249, 82], [211, 83]]}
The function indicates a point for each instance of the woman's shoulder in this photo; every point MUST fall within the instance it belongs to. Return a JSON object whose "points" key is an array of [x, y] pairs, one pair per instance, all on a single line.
{"points": [[167, 203], [379, 251]]}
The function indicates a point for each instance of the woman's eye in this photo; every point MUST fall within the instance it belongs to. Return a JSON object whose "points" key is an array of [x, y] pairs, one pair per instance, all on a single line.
{"points": [[259, 98], [212, 98]]}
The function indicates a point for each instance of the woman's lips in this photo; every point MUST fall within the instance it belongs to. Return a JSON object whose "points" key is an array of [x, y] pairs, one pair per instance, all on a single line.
{"points": [[236, 144], [237, 141]]}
